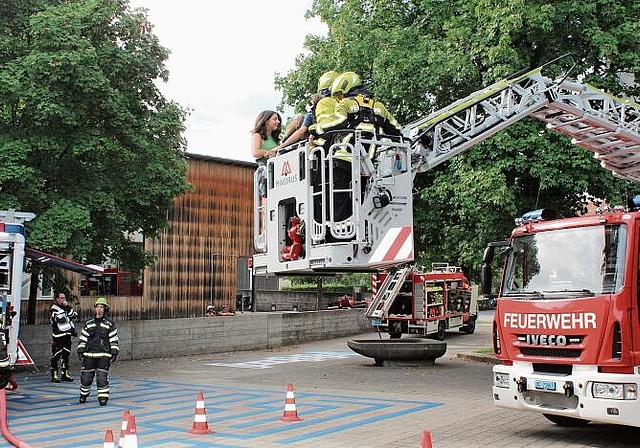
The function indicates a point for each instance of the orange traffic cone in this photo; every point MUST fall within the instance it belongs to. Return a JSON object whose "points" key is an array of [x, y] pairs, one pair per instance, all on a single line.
{"points": [[131, 433], [108, 439], [290, 412], [200, 425], [426, 439], [123, 428]]}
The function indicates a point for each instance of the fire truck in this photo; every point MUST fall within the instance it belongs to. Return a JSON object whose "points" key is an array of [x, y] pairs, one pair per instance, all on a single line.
{"points": [[412, 301], [301, 229], [567, 326], [567, 322], [12, 252]]}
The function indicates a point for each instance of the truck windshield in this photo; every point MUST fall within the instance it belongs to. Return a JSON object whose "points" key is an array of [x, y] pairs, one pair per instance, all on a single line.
{"points": [[573, 262]]}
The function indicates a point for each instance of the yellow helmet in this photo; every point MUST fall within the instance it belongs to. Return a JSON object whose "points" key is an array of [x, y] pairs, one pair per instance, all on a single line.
{"points": [[101, 301], [345, 83], [325, 81]]}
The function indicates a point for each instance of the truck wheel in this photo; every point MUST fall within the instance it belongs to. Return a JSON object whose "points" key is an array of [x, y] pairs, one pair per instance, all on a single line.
{"points": [[569, 422], [395, 330], [442, 328], [470, 327]]}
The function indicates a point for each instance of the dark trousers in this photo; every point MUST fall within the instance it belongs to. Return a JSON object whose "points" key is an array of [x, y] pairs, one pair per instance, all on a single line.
{"points": [[98, 367], [60, 350]]}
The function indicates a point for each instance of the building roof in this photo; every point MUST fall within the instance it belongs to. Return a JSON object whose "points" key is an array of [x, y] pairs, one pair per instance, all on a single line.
{"points": [[53, 260], [221, 160]]}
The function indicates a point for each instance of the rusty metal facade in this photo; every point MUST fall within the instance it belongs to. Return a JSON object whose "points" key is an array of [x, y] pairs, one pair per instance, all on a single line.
{"points": [[200, 257]]}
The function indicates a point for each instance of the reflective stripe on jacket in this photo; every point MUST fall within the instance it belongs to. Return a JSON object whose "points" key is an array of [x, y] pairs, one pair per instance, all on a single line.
{"points": [[99, 339]]}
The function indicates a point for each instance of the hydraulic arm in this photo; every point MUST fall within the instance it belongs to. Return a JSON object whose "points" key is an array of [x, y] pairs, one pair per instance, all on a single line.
{"points": [[593, 119]]}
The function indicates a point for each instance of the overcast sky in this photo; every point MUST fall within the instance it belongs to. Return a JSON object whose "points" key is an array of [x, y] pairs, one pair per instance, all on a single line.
{"points": [[224, 55]]}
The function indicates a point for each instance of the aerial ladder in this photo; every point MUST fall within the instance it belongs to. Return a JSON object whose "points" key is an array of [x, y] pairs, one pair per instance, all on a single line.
{"points": [[389, 289], [378, 233]]}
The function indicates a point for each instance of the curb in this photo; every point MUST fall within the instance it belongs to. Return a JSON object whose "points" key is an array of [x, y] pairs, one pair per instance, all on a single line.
{"points": [[479, 357]]}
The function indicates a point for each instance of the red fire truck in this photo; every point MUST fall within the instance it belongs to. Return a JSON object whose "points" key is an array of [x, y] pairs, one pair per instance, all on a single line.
{"points": [[567, 322], [567, 344], [410, 300]]}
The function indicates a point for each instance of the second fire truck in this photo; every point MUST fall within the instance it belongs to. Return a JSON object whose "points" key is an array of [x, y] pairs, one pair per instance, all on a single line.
{"points": [[423, 302]]}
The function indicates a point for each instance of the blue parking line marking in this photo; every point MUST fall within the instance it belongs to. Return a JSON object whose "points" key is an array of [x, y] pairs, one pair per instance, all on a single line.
{"points": [[164, 413]]}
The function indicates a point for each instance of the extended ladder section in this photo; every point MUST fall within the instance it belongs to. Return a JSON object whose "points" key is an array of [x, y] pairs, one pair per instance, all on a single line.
{"points": [[601, 123], [606, 125], [388, 291]]}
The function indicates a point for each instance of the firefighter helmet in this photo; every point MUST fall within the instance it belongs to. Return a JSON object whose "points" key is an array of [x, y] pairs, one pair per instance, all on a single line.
{"points": [[102, 301], [325, 81], [345, 83]]}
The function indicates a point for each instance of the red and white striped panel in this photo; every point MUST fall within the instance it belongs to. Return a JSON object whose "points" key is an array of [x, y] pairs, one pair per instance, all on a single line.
{"points": [[374, 285], [397, 245]]}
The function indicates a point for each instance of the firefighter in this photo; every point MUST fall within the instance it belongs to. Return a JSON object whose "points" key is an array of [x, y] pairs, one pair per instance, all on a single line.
{"points": [[325, 105], [98, 347], [63, 329], [355, 109]]}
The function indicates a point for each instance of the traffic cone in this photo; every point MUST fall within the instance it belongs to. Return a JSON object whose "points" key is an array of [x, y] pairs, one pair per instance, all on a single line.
{"points": [[200, 425], [426, 439], [123, 428], [130, 435], [108, 439], [290, 412]]}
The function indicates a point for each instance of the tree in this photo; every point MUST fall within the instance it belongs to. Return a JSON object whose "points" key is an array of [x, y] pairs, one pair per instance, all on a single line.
{"points": [[87, 141], [420, 55]]}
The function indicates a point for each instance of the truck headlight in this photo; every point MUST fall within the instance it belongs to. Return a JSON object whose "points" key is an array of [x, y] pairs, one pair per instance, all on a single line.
{"points": [[615, 391], [501, 380]]}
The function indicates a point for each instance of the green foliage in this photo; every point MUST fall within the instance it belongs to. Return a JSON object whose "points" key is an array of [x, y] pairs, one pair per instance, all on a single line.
{"points": [[338, 283], [421, 55], [87, 141]]}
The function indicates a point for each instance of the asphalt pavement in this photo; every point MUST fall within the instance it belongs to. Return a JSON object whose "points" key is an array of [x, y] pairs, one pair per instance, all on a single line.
{"points": [[339, 399]]}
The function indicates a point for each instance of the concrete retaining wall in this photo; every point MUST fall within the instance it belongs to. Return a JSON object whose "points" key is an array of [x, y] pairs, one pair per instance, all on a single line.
{"points": [[179, 337]]}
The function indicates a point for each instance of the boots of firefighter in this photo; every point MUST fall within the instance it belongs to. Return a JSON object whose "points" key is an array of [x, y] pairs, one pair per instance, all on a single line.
{"points": [[103, 400], [66, 376], [85, 386], [64, 368], [55, 378]]}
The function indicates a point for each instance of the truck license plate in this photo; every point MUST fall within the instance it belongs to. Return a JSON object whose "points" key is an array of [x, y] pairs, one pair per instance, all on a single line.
{"points": [[376, 321], [545, 385]]}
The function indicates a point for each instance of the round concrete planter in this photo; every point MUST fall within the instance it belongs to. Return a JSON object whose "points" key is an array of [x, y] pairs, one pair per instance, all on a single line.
{"points": [[403, 350]]}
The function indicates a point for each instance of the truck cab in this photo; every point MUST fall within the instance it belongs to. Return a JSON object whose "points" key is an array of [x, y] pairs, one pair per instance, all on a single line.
{"points": [[567, 322]]}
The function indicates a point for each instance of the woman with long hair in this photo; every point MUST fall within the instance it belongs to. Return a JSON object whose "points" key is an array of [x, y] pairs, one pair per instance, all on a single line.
{"points": [[265, 135]]}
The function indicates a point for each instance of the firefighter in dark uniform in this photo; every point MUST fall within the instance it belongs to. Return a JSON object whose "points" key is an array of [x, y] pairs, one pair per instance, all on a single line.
{"points": [[62, 327], [98, 347]]}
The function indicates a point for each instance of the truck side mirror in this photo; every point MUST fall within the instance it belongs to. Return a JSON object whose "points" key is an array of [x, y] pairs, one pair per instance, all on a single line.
{"points": [[487, 259], [485, 278], [485, 272]]}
